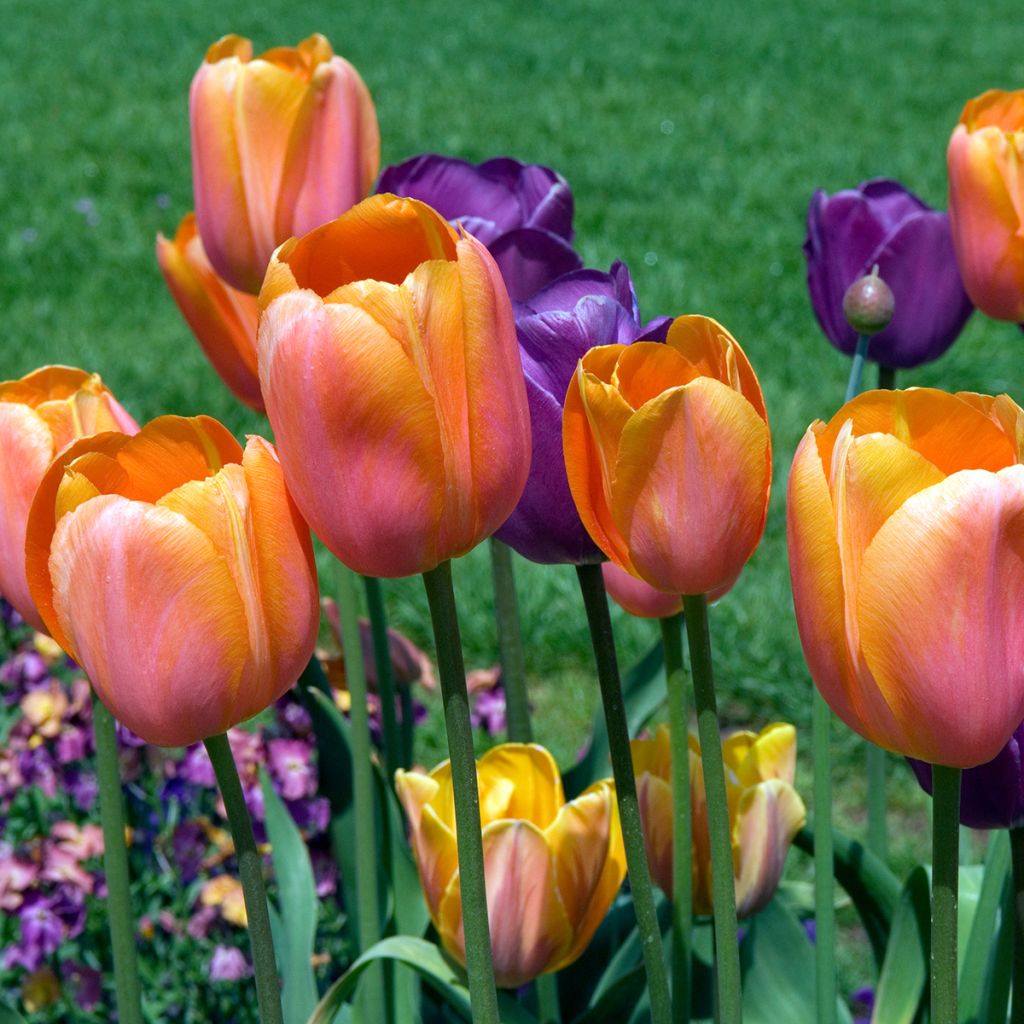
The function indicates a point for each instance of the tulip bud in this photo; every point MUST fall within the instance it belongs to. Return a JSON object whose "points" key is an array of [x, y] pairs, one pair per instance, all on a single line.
{"points": [[868, 304], [40, 415], [174, 568], [551, 868]]}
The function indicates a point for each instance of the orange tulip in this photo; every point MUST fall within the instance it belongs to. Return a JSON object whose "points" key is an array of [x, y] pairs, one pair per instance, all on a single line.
{"points": [[175, 569], [40, 415], [390, 368], [669, 456], [639, 598], [551, 868], [765, 811], [222, 318], [280, 144], [986, 201], [906, 546]]}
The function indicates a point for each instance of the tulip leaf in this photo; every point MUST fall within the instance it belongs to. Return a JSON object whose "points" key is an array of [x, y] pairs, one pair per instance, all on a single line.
{"points": [[297, 904], [447, 980], [872, 887], [904, 975], [995, 994], [777, 960], [8, 1016], [618, 999], [980, 953], [643, 689]]}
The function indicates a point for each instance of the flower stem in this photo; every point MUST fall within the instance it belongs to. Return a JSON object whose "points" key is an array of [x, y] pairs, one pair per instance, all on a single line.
{"points": [[945, 878], [596, 602], [878, 842], [727, 953], [513, 670], [682, 824], [115, 866], [250, 872], [857, 367], [1017, 859], [886, 378], [385, 674], [483, 995], [363, 800], [824, 883], [547, 1000]]}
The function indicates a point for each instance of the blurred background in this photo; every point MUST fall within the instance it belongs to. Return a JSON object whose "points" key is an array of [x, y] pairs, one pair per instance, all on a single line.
{"points": [[693, 137]]}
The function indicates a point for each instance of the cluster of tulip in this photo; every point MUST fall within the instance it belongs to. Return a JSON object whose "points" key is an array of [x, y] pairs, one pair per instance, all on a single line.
{"points": [[438, 368]]}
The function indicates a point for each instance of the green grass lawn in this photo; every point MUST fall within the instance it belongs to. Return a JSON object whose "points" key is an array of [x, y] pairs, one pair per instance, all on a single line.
{"points": [[693, 137]]}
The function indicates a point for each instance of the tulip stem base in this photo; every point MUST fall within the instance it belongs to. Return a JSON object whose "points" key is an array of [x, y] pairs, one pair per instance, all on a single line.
{"points": [[385, 675], [250, 873], [510, 644], [824, 882], [363, 797], [483, 995], [598, 619], [115, 866], [1017, 859], [727, 953], [550, 1012], [945, 880], [878, 840], [682, 824]]}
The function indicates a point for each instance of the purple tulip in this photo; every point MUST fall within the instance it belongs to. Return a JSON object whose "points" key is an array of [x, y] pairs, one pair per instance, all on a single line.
{"points": [[555, 328], [991, 795], [521, 212], [882, 222]]}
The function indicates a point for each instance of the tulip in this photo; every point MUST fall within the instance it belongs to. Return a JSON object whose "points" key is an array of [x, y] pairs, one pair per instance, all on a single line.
{"points": [[639, 598], [882, 223], [765, 812], [992, 794], [40, 415], [222, 318], [521, 212], [577, 312], [392, 378], [907, 560], [669, 456], [552, 868], [280, 144], [986, 201], [175, 569]]}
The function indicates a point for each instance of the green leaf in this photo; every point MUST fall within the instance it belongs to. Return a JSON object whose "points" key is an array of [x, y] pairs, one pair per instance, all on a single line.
{"points": [[995, 996], [777, 960], [297, 899], [980, 953], [872, 887], [426, 959], [904, 976], [617, 999], [643, 689], [10, 1016]]}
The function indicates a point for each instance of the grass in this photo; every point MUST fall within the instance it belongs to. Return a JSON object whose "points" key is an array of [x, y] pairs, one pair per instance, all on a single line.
{"points": [[693, 137]]}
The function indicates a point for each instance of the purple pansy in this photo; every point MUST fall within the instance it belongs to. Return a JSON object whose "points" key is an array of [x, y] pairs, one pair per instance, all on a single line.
{"points": [[228, 963], [521, 212], [881, 222]]}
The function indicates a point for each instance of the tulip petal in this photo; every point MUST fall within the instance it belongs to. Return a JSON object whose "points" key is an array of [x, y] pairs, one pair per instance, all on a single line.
{"points": [[769, 815], [529, 929], [941, 611], [519, 780], [130, 581], [772, 755], [646, 369], [654, 795], [690, 491]]}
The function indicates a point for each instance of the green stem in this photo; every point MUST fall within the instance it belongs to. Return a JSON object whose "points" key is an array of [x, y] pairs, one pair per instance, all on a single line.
{"points": [[363, 799], [547, 999], [596, 602], [727, 953], [886, 378], [510, 644], [878, 842], [385, 673], [1017, 859], [406, 737], [682, 824], [250, 873], [824, 883], [945, 877], [115, 866], [479, 963], [857, 367]]}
